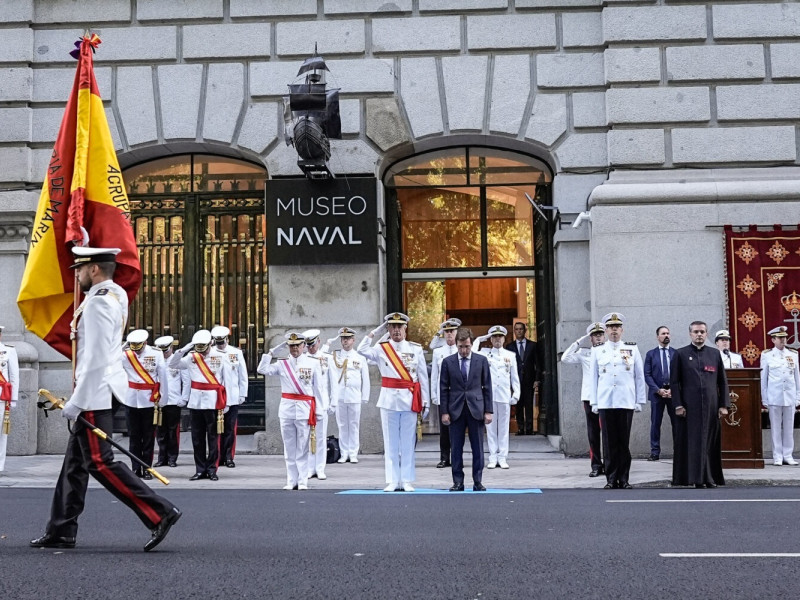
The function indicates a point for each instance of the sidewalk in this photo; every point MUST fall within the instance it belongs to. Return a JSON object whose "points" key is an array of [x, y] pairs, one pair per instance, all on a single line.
{"points": [[534, 464]]}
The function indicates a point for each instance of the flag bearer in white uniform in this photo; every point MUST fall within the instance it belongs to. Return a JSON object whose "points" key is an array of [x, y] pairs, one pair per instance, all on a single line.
{"points": [[300, 377], [505, 392], [404, 395], [442, 350], [212, 382], [314, 349], [147, 387], [780, 394], [227, 447], [350, 385], [9, 392], [168, 433]]}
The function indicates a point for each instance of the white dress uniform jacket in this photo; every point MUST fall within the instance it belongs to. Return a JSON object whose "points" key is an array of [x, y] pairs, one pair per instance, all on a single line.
{"points": [[505, 377], [575, 354], [732, 360], [439, 354], [178, 385], [218, 364], [350, 379], [9, 366], [412, 357], [617, 377], [152, 361], [326, 387], [780, 378], [307, 373], [236, 358], [99, 372]]}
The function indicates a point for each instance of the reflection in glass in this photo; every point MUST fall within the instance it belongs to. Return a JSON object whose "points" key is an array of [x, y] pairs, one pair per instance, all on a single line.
{"points": [[441, 228], [425, 304], [509, 221], [194, 173]]}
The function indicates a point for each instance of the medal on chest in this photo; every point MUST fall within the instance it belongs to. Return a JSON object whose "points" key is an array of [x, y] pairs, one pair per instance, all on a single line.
{"points": [[627, 358], [214, 363], [305, 374], [149, 364], [233, 358]]}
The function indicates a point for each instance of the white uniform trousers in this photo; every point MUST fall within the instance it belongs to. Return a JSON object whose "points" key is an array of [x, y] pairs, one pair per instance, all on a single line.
{"points": [[348, 417], [3, 437], [399, 437], [317, 462], [497, 431], [781, 422], [295, 434]]}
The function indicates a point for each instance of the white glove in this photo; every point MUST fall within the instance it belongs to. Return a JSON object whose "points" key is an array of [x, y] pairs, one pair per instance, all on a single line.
{"points": [[595, 410], [365, 401], [380, 329], [333, 339], [182, 404], [637, 408], [584, 342], [331, 409], [187, 348], [278, 347], [13, 404], [225, 410], [425, 412], [242, 399], [435, 401], [71, 411], [514, 401], [384, 338], [484, 338]]}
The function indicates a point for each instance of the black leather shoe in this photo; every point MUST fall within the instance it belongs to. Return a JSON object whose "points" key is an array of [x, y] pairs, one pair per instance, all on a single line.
{"points": [[711, 485], [53, 541], [213, 476], [699, 486], [147, 475], [457, 487], [608, 486], [197, 476], [652, 458], [625, 486], [230, 464], [442, 464], [595, 473], [160, 463], [478, 487], [172, 463], [160, 531]]}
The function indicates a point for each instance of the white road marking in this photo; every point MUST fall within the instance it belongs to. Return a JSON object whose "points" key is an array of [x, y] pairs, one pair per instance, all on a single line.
{"points": [[704, 500], [729, 554]]}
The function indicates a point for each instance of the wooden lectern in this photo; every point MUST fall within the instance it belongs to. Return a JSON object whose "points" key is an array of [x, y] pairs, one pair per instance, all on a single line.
{"points": [[741, 429]]}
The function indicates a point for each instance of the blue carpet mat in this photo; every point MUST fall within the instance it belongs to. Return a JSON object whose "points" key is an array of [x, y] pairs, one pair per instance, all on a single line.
{"points": [[428, 492]]}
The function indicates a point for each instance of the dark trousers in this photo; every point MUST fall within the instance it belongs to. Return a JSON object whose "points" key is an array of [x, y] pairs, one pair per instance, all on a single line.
{"points": [[593, 431], [524, 411], [141, 435], [656, 416], [168, 434], [615, 424], [457, 432], [205, 440], [444, 441], [227, 446], [87, 454]]}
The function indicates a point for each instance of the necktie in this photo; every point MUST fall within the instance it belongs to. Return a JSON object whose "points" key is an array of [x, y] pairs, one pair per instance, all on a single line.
{"points": [[464, 370], [521, 349], [664, 364]]}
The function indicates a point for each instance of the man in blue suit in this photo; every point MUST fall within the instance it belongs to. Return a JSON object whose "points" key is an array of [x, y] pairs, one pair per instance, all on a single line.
{"points": [[465, 396], [656, 375]]}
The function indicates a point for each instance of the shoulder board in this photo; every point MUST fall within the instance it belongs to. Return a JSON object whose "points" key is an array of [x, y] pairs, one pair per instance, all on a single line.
{"points": [[12, 345], [767, 350], [102, 292], [279, 359], [792, 350], [630, 343], [415, 344]]}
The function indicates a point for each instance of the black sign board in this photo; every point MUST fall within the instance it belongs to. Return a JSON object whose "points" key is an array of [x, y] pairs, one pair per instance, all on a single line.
{"points": [[322, 222]]}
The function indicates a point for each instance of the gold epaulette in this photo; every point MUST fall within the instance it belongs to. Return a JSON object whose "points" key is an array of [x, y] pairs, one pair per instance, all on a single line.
{"points": [[792, 350]]}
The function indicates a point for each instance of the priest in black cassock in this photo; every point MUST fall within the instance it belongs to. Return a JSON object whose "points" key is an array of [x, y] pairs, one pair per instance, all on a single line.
{"points": [[700, 397]]}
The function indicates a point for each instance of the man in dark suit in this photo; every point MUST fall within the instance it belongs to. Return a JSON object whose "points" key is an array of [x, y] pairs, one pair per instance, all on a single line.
{"points": [[525, 350], [465, 395], [656, 375]]}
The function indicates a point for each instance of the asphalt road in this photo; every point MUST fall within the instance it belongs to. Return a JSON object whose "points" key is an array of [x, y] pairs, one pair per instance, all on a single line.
{"points": [[320, 544]]}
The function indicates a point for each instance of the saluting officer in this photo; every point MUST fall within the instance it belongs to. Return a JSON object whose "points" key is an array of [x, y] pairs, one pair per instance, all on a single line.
{"points": [[147, 387], [212, 384], [441, 350], [505, 392], [731, 360], [97, 325], [227, 450], [580, 352], [168, 434], [9, 392], [328, 405], [301, 377], [617, 391], [780, 394], [404, 395], [350, 385]]}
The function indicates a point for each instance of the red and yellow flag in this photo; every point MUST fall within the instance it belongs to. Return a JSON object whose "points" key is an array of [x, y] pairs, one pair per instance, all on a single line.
{"points": [[83, 188]]}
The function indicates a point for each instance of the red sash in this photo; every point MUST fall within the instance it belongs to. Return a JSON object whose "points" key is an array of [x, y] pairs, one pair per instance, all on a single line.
{"points": [[6, 389], [401, 384], [212, 385], [149, 382], [312, 416]]}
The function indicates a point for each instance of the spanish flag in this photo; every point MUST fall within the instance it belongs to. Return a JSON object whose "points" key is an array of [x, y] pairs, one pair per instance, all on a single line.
{"points": [[83, 188]]}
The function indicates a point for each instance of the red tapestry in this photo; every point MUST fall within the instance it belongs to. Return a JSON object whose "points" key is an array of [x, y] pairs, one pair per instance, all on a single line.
{"points": [[763, 273]]}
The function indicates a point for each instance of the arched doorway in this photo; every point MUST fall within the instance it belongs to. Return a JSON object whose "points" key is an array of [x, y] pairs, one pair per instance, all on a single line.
{"points": [[467, 237], [200, 228]]}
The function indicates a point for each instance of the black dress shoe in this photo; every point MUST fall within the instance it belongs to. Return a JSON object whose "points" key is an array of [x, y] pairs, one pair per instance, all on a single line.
{"points": [[442, 464], [160, 531], [213, 476], [595, 473], [147, 475], [197, 476], [230, 464], [625, 486], [711, 485], [652, 458], [53, 541], [608, 486], [172, 463], [161, 463], [457, 487], [478, 487], [699, 486]]}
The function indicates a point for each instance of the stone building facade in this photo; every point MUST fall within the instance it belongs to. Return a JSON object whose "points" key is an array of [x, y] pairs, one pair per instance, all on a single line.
{"points": [[665, 119]]}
